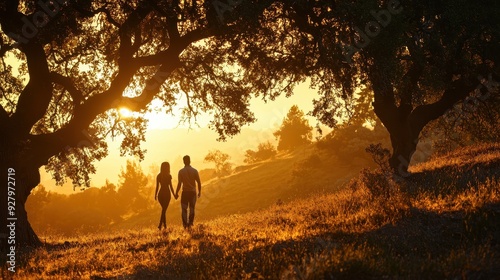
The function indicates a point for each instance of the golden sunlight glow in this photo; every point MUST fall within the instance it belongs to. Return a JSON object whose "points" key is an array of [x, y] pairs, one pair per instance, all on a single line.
{"points": [[125, 113], [159, 119]]}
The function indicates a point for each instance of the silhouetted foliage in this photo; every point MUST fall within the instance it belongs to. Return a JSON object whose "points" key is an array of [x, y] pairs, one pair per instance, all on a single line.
{"points": [[419, 57], [264, 151], [380, 156], [221, 160], [349, 140], [133, 191], [87, 211], [295, 130], [474, 121]]}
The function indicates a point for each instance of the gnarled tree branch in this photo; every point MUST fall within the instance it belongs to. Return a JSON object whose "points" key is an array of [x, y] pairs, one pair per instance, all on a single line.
{"points": [[36, 96], [68, 84]]}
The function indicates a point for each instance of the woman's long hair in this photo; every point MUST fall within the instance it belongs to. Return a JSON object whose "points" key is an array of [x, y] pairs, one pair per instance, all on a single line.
{"points": [[164, 170]]}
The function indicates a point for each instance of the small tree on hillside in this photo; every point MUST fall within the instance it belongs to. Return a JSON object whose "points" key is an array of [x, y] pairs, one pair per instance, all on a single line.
{"points": [[132, 187], [264, 151], [222, 165], [295, 130]]}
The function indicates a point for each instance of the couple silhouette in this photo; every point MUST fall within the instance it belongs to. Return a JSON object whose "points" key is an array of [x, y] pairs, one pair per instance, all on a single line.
{"points": [[187, 178]]}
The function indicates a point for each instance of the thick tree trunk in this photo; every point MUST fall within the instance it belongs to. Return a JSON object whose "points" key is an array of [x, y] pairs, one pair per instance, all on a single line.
{"points": [[404, 143], [404, 122], [404, 134], [26, 182], [18, 181]]}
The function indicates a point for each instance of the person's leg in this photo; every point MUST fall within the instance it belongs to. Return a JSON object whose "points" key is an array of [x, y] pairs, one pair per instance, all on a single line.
{"points": [[164, 202], [192, 203], [161, 216], [163, 220], [164, 213], [184, 206]]}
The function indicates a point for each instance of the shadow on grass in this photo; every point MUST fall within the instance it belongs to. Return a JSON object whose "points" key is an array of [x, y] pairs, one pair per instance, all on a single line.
{"points": [[422, 245], [449, 178]]}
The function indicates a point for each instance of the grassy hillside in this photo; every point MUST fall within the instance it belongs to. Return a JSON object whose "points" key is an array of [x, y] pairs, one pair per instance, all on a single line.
{"points": [[441, 223], [289, 176]]}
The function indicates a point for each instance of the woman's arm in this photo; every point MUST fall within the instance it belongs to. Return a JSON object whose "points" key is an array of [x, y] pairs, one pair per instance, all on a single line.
{"points": [[172, 187], [157, 185]]}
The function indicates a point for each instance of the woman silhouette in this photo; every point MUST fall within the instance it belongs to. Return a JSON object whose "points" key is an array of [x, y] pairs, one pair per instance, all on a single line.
{"points": [[165, 180]]}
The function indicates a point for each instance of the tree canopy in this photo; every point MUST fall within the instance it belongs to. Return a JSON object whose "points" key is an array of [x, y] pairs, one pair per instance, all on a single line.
{"points": [[133, 191], [419, 57], [84, 60]]}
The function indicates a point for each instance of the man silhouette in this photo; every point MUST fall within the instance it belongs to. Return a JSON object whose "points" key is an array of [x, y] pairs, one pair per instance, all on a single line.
{"points": [[187, 178]]}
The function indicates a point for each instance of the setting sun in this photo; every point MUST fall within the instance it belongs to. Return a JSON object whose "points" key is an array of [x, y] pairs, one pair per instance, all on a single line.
{"points": [[125, 113], [158, 118]]}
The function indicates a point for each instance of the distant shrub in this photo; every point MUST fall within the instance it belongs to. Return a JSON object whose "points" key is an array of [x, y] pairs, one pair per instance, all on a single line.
{"points": [[264, 151], [380, 156], [303, 167], [377, 183], [207, 174], [385, 194], [221, 160]]}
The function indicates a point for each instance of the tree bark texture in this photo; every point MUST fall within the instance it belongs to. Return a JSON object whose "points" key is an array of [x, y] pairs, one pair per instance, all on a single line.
{"points": [[405, 124]]}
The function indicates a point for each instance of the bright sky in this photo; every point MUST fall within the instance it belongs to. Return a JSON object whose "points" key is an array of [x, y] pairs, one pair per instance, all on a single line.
{"points": [[269, 114]]}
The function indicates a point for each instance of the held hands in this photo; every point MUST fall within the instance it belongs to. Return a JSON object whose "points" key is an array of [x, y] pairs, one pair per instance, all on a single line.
{"points": [[199, 194]]}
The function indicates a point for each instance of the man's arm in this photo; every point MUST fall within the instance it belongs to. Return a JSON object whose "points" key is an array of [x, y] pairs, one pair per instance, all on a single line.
{"points": [[179, 184], [171, 186], [198, 181]]}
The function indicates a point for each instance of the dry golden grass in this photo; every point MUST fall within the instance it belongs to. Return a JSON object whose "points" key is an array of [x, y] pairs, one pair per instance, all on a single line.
{"points": [[441, 223]]}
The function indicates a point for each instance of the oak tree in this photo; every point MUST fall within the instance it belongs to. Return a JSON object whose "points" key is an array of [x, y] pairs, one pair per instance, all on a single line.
{"points": [[420, 58], [69, 66]]}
